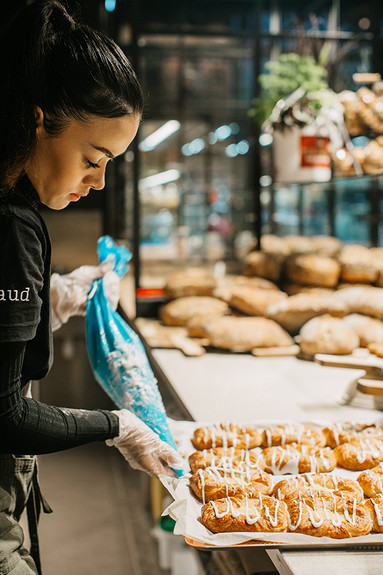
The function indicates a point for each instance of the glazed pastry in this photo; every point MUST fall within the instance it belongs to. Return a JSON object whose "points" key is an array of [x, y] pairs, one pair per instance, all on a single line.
{"points": [[371, 481], [374, 507], [339, 433], [230, 457], [226, 435], [294, 433], [214, 483], [328, 516], [360, 454], [242, 513], [317, 483], [296, 458]]}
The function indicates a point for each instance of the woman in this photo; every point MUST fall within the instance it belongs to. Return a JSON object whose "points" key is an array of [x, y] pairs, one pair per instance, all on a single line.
{"points": [[70, 102]]}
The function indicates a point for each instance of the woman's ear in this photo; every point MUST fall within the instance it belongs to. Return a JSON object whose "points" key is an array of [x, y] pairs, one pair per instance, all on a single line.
{"points": [[39, 118]]}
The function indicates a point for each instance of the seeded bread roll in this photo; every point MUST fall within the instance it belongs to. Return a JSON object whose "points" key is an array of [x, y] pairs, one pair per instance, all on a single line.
{"points": [[326, 334]]}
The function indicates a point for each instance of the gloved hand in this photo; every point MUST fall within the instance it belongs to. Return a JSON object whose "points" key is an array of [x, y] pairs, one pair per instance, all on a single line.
{"points": [[69, 292], [142, 448]]}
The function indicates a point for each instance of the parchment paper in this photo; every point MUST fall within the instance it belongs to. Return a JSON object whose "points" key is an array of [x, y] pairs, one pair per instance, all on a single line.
{"points": [[186, 509]]}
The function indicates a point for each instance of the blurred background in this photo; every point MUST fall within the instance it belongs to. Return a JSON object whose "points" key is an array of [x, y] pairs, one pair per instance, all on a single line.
{"points": [[197, 185]]}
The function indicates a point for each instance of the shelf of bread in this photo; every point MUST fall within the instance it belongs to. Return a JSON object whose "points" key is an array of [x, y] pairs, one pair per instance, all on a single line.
{"points": [[279, 484], [296, 295]]}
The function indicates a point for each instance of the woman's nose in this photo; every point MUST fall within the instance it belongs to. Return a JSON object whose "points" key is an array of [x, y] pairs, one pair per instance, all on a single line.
{"points": [[96, 181]]}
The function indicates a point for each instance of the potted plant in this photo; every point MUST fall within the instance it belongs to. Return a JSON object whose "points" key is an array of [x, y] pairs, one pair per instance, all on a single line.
{"points": [[297, 106]]}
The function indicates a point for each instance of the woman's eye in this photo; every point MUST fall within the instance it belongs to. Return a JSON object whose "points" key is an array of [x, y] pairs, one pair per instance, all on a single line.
{"points": [[91, 164]]}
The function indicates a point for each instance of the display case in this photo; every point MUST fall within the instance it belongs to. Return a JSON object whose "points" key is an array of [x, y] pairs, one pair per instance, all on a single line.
{"points": [[350, 209]]}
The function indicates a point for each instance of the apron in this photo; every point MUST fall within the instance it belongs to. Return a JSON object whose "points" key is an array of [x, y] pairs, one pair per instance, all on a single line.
{"points": [[19, 490]]}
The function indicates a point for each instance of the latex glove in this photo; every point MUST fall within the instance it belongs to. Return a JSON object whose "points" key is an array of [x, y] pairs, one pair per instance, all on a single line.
{"points": [[142, 448], [69, 292]]}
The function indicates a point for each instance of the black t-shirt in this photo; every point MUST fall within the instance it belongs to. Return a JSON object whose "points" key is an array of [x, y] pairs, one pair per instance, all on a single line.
{"points": [[28, 426], [25, 260]]}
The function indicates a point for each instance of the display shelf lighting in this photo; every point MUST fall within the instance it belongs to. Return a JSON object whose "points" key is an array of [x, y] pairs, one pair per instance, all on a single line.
{"points": [[159, 179], [163, 133]]}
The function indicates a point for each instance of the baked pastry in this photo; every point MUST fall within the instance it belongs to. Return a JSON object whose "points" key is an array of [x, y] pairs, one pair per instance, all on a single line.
{"points": [[325, 245], [226, 435], [264, 265], [325, 515], [376, 348], [179, 311], [190, 282], [254, 301], [216, 482], [357, 264], [374, 507], [294, 458], [360, 454], [245, 333], [293, 433], [226, 458], [312, 269], [293, 312], [318, 484], [327, 334], [298, 244], [338, 433], [368, 329], [242, 513], [371, 481], [367, 300]]}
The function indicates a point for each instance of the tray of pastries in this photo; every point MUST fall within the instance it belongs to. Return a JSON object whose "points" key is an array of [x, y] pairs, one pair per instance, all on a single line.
{"points": [[278, 484]]}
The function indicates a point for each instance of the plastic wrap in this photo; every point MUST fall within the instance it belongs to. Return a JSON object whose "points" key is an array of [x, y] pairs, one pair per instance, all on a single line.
{"points": [[116, 353]]}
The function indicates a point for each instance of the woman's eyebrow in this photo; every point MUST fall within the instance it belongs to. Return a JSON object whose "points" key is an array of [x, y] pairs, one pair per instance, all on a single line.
{"points": [[105, 151]]}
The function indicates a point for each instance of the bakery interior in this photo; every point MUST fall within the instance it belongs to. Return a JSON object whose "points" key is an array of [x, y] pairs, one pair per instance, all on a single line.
{"points": [[252, 203]]}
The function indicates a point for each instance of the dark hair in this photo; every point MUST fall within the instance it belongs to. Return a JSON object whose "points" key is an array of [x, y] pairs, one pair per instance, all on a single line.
{"points": [[69, 70]]}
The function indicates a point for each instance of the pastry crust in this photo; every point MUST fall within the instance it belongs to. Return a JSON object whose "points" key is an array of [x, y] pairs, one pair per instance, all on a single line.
{"points": [[371, 481], [360, 454], [339, 433], [229, 458], [214, 483], [318, 484], [226, 435], [374, 507], [293, 433], [328, 516], [242, 513], [294, 458]]}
